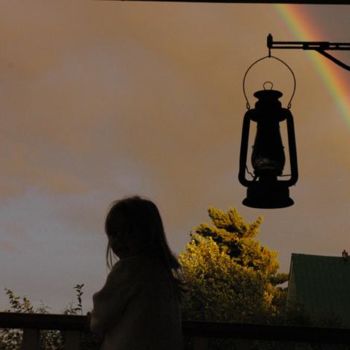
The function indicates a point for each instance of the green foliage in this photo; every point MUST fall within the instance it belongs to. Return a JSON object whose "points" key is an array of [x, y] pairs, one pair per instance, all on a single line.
{"points": [[10, 339], [229, 275]]}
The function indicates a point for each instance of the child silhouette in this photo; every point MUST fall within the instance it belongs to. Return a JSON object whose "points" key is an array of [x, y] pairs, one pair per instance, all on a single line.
{"points": [[138, 307]]}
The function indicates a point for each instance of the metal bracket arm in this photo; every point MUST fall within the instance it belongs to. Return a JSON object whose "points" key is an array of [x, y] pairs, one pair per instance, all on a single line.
{"points": [[318, 46]]}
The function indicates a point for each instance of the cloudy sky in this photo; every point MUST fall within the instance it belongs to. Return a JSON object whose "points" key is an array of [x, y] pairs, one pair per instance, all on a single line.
{"points": [[100, 100]]}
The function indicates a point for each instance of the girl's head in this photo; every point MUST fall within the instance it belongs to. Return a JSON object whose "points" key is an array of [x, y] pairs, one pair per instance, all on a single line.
{"points": [[134, 225]]}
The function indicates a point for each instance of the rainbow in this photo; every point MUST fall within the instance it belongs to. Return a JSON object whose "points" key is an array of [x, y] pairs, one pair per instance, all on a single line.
{"points": [[333, 76]]}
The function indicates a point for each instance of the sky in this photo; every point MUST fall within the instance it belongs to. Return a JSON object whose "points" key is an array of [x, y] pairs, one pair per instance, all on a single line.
{"points": [[107, 99]]}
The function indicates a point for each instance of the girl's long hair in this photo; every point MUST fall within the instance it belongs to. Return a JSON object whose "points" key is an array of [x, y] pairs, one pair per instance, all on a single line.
{"points": [[138, 220]]}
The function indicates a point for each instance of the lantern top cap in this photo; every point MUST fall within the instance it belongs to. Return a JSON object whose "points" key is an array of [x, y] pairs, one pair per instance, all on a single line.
{"points": [[268, 94]]}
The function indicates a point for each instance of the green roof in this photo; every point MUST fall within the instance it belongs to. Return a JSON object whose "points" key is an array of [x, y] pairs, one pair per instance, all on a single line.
{"points": [[321, 284]]}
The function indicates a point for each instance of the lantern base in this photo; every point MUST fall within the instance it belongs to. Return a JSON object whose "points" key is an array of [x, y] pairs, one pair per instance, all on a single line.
{"points": [[268, 195]]}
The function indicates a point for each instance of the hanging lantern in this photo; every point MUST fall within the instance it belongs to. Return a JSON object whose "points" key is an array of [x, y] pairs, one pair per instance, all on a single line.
{"points": [[267, 188]]}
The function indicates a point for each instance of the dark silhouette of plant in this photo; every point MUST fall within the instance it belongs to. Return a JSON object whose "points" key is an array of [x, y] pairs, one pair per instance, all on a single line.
{"points": [[11, 339]]}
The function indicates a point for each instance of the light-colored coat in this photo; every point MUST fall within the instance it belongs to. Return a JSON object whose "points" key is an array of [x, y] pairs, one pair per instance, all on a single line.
{"points": [[137, 308]]}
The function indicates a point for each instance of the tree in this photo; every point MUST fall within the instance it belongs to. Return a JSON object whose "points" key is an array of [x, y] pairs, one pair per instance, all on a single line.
{"points": [[229, 275]]}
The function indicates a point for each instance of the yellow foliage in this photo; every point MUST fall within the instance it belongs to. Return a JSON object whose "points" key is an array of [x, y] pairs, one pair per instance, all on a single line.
{"points": [[228, 272]]}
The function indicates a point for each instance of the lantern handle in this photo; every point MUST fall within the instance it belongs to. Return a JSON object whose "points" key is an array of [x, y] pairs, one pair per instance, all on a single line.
{"points": [[261, 59]]}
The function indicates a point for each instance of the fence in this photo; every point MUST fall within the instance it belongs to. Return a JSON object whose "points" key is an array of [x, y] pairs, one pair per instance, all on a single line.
{"points": [[73, 326]]}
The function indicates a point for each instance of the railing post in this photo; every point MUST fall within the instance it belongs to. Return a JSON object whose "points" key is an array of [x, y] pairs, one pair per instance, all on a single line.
{"points": [[200, 343], [71, 340], [31, 339]]}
